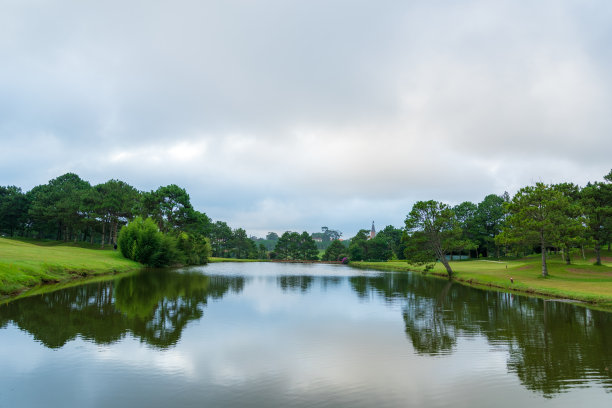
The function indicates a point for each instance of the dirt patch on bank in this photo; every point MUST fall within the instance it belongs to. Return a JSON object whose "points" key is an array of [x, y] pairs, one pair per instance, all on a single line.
{"points": [[592, 273], [603, 259]]}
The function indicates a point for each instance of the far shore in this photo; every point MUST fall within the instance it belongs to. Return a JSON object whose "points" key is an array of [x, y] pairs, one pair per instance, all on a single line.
{"points": [[48, 266]]}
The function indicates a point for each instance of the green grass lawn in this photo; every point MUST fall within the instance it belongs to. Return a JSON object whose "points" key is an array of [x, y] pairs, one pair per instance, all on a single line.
{"points": [[579, 281], [25, 264]]}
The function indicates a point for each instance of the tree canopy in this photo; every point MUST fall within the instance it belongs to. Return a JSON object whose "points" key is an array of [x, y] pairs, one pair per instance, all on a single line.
{"points": [[433, 231]]}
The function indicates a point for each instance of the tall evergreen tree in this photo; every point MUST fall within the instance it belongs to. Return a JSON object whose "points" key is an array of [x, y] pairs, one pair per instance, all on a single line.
{"points": [[535, 214], [596, 201]]}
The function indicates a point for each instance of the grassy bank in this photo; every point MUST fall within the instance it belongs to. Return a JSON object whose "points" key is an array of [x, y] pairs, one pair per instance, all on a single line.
{"points": [[26, 264], [581, 280]]}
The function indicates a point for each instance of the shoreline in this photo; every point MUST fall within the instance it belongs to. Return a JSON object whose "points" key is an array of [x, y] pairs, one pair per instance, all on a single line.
{"points": [[27, 268], [585, 298]]}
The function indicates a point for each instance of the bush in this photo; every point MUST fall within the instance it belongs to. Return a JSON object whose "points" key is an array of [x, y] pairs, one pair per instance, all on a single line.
{"points": [[195, 248], [141, 241], [169, 253]]}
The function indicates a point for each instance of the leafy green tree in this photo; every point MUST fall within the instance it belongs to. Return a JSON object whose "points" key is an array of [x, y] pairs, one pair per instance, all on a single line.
{"points": [[40, 212], [466, 217], [358, 249], [282, 248], [489, 219], [262, 252], [169, 206], [335, 251], [308, 247], [221, 237], [535, 214], [378, 248], [13, 209], [272, 236], [114, 203], [295, 246], [198, 223], [433, 232], [393, 237], [241, 244], [596, 201], [570, 231], [195, 248], [57, 204], [330, 234]]}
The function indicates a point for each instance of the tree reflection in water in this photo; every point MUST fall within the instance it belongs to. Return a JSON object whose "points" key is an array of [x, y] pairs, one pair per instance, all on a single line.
{"points": [[155, 306], [553, 346]]}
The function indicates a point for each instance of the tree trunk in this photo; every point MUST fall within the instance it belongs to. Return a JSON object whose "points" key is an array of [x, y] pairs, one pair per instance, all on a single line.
{"points": [[103, 234], [542, 243], [567, 259], [598, 253], [115, 223], [562, 255], [583, 256], [447, 266]]}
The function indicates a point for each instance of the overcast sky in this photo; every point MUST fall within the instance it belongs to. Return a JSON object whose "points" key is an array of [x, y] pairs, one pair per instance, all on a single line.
{"points": [[290, 115]]}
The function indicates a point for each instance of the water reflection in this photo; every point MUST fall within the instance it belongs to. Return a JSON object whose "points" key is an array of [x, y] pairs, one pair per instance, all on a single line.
{"points": [[303, 283], [154, 306], [553, 346]]}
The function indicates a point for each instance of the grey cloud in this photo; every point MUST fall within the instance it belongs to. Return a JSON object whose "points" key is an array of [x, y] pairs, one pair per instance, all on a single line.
{"points": [[294, 114]]}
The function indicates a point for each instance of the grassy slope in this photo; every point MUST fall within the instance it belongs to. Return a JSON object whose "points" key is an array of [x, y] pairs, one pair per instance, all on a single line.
{"points": [[580, 281], [25, 264]]}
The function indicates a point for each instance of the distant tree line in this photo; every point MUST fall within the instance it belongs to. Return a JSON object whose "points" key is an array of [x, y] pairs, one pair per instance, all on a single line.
{"points": [[561, 217], [69, 208]]}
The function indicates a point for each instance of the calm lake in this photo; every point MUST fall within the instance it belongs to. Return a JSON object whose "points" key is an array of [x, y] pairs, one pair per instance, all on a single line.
{"points": [[278, 335]]}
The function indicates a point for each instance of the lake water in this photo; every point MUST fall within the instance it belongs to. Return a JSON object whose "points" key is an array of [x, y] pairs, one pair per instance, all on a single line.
{"points": [[281, 335]]}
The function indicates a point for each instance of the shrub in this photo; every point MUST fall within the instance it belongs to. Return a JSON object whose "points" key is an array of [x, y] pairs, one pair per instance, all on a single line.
{"points": [[195, 248], [141, 241]]}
